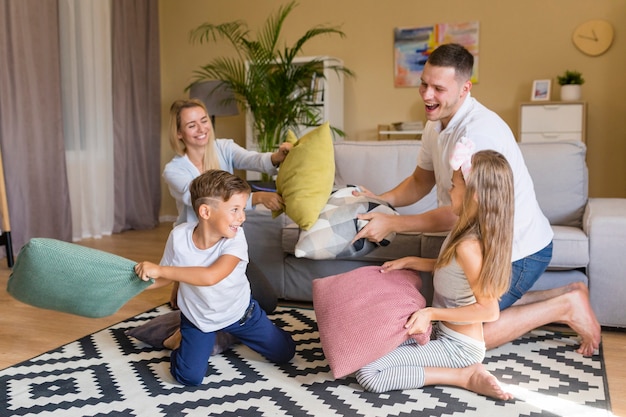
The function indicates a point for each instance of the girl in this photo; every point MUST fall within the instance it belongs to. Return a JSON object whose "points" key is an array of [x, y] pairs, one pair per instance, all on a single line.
{"points": [[470, 275]]}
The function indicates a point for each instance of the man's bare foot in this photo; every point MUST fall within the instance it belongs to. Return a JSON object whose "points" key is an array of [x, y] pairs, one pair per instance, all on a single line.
{"points": [[482, 382], [173, 342], [582, 319]]}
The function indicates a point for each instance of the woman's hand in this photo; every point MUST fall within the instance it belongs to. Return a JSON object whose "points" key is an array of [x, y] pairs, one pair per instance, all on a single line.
{"points": [[272, 201], [280, 155]]}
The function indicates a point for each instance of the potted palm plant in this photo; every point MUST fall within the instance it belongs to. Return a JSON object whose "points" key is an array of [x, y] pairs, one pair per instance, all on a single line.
{"points": [[570, 83], [266, 77]]}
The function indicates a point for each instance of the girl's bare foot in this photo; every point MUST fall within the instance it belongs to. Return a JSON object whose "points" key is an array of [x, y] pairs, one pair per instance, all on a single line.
{"points": [[482, 382]]}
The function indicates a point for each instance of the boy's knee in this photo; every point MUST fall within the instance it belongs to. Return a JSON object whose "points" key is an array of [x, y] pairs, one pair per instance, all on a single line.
{"points": [[289, 353], [285, 353], [192, 376], [189, 378]]}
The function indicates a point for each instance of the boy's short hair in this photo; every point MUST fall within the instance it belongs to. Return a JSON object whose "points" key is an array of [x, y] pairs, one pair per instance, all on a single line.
{"points": [[216, 184]]}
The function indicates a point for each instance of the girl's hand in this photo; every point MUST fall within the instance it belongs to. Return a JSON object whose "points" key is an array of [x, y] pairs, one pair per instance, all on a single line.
{"points": [[402, 263], [419, 321], [146, 270]]}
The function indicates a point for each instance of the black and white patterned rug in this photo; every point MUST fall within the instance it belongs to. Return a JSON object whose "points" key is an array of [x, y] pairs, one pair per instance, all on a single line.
{"points": [[111, 374]]}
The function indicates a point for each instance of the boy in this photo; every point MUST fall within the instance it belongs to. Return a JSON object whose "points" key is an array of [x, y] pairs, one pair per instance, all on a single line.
{"points": [[209, 259]]}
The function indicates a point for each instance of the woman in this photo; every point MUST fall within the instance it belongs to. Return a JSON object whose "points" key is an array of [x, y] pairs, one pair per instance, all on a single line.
{"points": [[197, 150]]}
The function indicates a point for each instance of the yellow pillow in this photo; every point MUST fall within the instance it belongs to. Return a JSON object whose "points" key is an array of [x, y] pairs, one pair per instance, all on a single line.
{"points": [[305, 178]]}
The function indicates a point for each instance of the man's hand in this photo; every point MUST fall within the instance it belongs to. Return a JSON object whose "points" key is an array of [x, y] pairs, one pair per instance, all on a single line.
{"points": [[362, 191], [378, 227]]}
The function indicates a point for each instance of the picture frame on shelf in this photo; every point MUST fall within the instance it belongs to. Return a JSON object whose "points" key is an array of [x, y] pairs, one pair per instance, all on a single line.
{"points": [[541, 90]]}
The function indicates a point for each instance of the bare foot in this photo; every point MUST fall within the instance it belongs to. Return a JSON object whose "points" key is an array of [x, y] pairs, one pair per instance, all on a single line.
{"points": [[173, 342], [482, 382], [582, 319]]}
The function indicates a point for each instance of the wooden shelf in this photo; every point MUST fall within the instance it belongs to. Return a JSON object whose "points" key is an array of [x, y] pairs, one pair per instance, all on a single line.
{"points": [[386, 133]]}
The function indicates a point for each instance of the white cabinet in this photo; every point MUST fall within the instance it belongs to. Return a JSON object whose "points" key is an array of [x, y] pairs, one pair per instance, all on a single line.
{"points": [[328, 98], [552, 121]]}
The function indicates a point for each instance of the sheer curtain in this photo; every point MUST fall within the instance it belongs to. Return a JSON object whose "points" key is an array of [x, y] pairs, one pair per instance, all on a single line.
{"points": [[40, 130], [85, 46]]}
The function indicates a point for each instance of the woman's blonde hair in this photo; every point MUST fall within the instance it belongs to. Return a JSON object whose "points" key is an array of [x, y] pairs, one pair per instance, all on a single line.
{"points": [[210, 160], [487, 214]]}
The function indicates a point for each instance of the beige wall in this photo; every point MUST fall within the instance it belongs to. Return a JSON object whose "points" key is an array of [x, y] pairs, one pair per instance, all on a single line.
{"points": [[519, 42]]}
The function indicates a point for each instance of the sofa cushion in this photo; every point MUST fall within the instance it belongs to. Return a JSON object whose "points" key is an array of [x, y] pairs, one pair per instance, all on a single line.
{"points": [[379, 167], [560, 176], [361, 315], [570, 248], [332, 234], [71, 278], [305, 178]]}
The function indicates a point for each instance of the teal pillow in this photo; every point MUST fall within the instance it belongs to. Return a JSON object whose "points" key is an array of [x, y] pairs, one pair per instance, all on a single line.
{"points": [[71, 278]]}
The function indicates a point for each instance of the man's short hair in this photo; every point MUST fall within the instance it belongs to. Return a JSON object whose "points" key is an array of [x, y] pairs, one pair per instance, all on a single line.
{"points": [[217, 185], [453, 55]]}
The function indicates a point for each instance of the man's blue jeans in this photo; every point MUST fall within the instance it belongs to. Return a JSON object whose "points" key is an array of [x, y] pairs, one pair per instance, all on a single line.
{"points": [[525, 273]]}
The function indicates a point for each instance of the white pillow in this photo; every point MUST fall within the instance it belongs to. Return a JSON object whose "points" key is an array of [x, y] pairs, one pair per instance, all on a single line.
{"points": [[337, 225]]}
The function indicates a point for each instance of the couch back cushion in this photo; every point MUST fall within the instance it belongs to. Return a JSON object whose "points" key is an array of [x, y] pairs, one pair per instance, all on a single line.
{"points": [[380, 166], [559, 172]]}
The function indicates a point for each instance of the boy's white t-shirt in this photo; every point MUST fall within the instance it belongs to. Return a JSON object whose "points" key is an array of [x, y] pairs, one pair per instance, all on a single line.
{"points": [[210, 308]]}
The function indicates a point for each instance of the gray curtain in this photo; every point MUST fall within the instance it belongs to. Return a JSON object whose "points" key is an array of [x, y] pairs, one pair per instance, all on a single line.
{"points": [[31, 125], [136, 113]]}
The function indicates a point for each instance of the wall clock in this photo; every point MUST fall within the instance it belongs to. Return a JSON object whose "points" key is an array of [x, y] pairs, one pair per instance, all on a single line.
{"points": [[593, 37]]}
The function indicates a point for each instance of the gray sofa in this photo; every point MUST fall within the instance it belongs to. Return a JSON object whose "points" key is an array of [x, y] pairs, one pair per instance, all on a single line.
{"points": [[589, 241]]}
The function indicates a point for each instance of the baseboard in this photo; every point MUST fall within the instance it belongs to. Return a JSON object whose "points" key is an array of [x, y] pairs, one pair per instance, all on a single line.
{"points": [[167, 218]]}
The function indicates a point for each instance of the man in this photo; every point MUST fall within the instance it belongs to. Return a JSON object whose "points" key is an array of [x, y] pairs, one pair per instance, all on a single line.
{"points": [[452, 113]]}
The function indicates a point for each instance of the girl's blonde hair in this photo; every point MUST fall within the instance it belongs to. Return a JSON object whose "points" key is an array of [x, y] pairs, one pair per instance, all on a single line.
{"points": [[210, 160], [487, 215]]}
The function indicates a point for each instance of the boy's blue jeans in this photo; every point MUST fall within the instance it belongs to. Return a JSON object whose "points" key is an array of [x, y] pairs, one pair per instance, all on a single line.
{"points": [[525, 273], [189, 363]]}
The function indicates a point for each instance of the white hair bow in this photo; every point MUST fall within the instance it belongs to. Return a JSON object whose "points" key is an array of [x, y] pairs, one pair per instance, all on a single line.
{"points": [[462, 156]]}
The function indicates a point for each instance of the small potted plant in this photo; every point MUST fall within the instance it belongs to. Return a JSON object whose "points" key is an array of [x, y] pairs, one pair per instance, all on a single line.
{"points": [[570, 83]]}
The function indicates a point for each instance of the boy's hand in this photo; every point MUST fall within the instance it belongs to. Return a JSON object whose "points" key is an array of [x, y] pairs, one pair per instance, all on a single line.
{"points": [[146, 270]]}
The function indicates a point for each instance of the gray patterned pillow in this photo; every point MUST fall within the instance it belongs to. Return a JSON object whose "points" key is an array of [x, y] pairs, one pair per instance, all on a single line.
{"points": [[330, 236]]}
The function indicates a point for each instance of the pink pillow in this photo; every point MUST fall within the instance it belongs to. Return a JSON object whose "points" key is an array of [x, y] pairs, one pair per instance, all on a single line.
{"points": [[361, 315]]}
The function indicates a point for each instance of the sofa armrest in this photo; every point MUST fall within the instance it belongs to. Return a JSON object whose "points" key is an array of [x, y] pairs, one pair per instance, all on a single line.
{"points": [[604, 221]]}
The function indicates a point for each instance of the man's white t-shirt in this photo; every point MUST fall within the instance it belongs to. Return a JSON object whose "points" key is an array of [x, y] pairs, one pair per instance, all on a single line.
{"points": [[210, 308], [532, 231]]}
